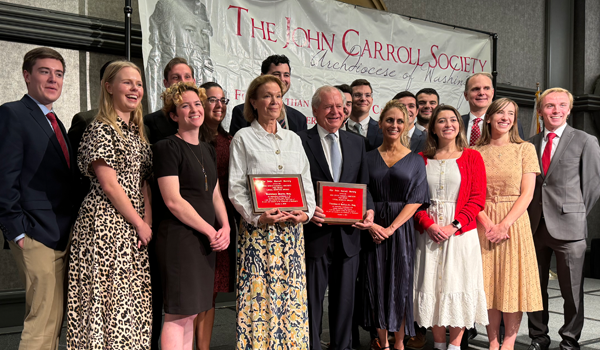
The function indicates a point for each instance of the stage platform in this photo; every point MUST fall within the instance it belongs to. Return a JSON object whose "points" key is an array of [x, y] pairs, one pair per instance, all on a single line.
{"points": [[224, 330]]}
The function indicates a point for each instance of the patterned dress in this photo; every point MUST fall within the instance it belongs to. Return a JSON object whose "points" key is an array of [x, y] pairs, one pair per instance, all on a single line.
{"points": [[510, 271], [272, 305], [109, 295]]}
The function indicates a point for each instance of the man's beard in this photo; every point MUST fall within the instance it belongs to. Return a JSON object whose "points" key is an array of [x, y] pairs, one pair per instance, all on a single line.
{"points": [[422, 120]]}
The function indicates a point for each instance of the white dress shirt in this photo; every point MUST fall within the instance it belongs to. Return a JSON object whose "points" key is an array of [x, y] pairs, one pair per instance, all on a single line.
{"points": [[411, 132], [327, 148], [555, 141], [255, 151], [364, 123], [472, 118]]}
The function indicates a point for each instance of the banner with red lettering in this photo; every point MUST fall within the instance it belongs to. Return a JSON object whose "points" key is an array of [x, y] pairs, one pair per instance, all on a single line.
{"points": [[328, 43]]}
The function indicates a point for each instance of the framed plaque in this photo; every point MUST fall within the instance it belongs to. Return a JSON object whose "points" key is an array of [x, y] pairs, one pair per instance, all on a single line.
{"points": [[270, 191], [343, 203]]}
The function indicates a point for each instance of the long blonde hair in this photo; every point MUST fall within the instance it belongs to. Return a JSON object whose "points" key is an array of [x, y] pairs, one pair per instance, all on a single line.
{"points": [[404, 140], [495, 107], [106, 112]]}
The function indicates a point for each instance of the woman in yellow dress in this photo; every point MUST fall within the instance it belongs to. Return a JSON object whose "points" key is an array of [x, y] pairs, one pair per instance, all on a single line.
{"points": [[510, 272]]}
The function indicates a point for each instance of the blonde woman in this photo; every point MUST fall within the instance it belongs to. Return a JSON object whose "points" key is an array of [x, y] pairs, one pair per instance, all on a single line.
{"points": [[109, 295], [510, 273], [272, 308], [398, 184]]}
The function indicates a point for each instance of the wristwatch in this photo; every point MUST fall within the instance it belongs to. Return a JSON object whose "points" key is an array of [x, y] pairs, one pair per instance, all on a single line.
{"points": [[456, 224]]}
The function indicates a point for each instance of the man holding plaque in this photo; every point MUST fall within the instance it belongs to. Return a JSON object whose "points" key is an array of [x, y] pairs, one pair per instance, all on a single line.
{"points": [[332, 250]]}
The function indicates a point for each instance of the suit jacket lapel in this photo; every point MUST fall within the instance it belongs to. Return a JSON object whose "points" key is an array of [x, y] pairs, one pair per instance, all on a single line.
{"points": [[372, 131], [415, 139], [563, 144], [291, 122], [314, 143], [345, 145], [537, 142], [36, 113]]}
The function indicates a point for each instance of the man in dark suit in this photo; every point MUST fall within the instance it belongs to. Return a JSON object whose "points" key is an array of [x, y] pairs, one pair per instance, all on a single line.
{"points": [[157, 125], [427, 100], [347, 91], [360, 122], [36, 205], [564, 195], [479, 92], [332, 250], [417, 136], [279, 66], [79, 123]]}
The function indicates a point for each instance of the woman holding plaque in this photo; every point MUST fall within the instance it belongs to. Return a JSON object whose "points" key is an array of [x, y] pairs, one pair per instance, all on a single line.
{"points": [[187, 177], [510, 273], [448, 287], [398, 184], [272, 308]]}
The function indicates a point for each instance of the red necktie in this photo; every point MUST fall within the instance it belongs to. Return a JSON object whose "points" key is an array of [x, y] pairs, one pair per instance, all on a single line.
{"points": [[475, 132], [547, 152], [61, 140]]}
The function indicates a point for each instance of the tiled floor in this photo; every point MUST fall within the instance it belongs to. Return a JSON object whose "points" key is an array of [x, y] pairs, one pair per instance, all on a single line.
{"points": [[224, 330]]}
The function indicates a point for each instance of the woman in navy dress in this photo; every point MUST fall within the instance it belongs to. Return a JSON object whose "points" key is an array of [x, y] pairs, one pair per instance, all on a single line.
{"points": [[398, 184]]}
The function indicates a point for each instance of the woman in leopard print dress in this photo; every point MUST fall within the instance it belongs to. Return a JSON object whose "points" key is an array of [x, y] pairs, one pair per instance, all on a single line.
{"points": [[109, 296]]}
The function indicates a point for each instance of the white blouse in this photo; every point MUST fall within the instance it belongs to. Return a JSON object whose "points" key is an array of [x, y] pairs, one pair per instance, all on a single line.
{"points": [[255, 151]]}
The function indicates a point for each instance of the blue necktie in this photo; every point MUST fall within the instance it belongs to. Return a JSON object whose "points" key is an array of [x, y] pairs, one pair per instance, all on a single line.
{"points": [[334, 157]]}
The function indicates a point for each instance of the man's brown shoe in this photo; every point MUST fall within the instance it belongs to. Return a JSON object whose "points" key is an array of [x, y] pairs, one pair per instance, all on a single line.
{"points": [[417, 342]]}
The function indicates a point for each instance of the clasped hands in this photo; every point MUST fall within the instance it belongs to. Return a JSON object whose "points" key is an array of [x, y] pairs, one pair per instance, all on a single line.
{"points": [[275, 215], [440, 234], [380, 233], [219, 239], [496, 233]]}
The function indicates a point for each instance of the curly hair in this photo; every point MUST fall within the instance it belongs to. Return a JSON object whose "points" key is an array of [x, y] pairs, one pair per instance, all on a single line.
{"points": [[172, 96]]}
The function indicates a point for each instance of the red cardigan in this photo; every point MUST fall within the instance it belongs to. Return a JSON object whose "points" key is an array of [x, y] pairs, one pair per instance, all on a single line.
{"points": [[471, 195]]}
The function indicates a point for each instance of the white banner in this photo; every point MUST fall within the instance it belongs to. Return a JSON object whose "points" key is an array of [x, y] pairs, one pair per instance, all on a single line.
{"points": [[327, 42]]}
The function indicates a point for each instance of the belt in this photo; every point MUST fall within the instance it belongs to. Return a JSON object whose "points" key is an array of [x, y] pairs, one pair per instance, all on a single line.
{"points": [[499, 199]]}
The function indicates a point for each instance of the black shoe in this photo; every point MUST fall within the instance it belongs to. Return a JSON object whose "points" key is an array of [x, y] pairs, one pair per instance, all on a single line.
{"points": [[538, 346]]}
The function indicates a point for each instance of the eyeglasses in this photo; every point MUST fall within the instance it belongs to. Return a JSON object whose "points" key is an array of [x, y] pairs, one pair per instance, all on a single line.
{"points": [[213, 100], [359, 95]]}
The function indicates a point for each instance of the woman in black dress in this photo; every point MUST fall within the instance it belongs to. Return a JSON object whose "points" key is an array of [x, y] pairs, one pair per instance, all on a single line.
{"points": [[398, 184], [187, 177]]}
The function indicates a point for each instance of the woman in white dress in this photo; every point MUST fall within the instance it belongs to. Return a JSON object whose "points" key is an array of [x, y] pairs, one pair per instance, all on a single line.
{"points": [[448, 285]]}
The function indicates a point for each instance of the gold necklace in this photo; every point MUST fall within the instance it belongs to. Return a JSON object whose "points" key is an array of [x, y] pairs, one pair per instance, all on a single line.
{"points": [[202, 156]]}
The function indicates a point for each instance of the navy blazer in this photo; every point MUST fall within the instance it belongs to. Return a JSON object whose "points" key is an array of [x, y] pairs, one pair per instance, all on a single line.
{"points": [[36, 183], [158, 126], [295, 118], [374, 135], [418, 140], [466, 123], [354, 170]]}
